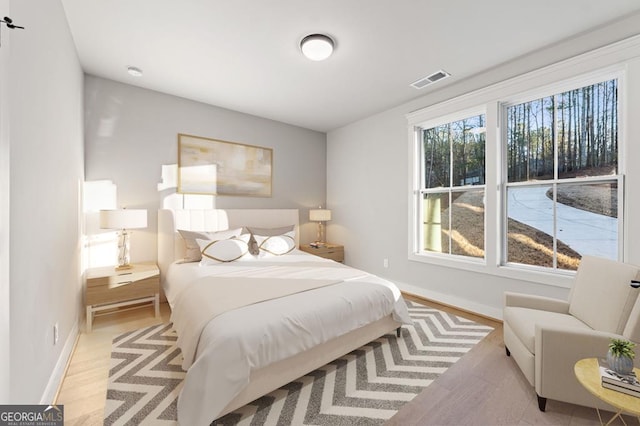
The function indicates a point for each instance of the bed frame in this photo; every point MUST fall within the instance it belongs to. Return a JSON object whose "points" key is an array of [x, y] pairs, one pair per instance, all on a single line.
{"points": [[262, 381]]}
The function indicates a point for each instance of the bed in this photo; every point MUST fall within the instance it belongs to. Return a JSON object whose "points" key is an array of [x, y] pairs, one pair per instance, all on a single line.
{"points": [[285, 312]]}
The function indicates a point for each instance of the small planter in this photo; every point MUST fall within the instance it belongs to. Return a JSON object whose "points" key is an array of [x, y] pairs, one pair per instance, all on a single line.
{"points": [[620, 364], [620, 356]]}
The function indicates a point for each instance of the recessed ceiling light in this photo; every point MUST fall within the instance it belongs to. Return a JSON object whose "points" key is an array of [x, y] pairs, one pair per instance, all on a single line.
{"points": [[317, 47], [136, 72]]}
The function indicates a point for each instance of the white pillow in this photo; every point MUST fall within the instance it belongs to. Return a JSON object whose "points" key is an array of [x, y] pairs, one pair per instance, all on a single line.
{"points": [[217, 251], [193, 253], [276, 245]]}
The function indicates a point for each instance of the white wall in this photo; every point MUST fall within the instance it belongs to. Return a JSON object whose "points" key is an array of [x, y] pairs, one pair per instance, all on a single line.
{"points": [[5, 307], [46, 169], [131, 132], [368, 187]]}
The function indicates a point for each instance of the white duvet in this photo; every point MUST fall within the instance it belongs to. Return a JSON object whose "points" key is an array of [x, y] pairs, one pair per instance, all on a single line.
{"points": [[238, 341]]}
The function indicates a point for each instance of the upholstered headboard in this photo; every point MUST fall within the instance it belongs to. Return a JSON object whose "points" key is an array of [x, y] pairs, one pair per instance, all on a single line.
{"points": [[171, 245]]}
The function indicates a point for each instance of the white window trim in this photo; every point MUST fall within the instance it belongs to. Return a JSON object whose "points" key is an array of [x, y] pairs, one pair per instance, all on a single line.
{"points": [[588, 79], [419, 190], [603, 63]]}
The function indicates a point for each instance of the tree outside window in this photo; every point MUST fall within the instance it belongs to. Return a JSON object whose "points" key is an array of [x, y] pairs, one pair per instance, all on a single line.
{"points": [[452, 194], [561, 163]]}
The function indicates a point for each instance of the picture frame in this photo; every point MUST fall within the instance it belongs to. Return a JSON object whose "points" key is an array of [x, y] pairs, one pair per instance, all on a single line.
{"points": [[218, 167]]}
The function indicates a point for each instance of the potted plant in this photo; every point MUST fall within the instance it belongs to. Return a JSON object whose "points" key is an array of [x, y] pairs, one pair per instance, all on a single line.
{"points": [[620, 356]]}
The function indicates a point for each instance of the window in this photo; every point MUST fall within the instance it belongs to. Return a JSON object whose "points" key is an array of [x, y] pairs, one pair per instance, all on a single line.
{"points": [[519, 185], [451, 195], [562, 182]]}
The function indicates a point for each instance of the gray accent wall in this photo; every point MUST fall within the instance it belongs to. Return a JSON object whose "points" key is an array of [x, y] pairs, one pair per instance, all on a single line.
{"points": [[46, 173], [130, 133]]}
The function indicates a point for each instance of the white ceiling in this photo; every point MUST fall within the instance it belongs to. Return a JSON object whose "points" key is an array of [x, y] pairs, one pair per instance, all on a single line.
{"points": [[244, 54]]}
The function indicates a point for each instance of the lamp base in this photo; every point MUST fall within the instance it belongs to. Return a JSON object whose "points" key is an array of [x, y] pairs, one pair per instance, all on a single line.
{"points": [[320, 238], [123, 251]]}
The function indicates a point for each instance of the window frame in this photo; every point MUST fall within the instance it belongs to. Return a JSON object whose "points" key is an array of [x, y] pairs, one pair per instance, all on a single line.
{"points": [[420, 189], [549, 80], [532, 95]]}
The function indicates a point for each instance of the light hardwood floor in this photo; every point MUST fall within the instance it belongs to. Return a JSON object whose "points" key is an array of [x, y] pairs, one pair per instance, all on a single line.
{"points": [[84, 387], [484, 388]]}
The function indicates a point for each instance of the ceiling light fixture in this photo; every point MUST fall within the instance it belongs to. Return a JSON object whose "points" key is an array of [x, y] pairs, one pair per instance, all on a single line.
{"points": [[136, 72], [317, 47]]}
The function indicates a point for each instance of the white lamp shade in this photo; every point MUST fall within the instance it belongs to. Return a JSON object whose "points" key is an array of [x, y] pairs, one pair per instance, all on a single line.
{"points": [[320, 215], [123, 219]]}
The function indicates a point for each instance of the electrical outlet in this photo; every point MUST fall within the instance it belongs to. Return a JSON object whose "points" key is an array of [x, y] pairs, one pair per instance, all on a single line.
{"points": [[55, 334], [385, 263]]}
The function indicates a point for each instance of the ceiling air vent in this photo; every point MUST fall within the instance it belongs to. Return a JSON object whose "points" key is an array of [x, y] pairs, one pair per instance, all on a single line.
{"points": [[425, 81]]}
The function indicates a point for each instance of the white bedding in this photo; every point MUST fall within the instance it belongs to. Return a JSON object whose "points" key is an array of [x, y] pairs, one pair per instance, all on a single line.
{"points": [[245, 339], [296, 264]]}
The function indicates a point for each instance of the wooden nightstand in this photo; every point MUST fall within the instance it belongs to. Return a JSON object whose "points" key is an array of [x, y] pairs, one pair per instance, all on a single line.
{"points": [[108, 288], [328, 251]]}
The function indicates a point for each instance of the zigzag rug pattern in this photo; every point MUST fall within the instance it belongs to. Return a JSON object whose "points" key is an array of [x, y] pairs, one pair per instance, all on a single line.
{"points": [[364, 387]]}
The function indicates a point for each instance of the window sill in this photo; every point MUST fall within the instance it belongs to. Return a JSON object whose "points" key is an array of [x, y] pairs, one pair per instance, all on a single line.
{"points": [[520, 272]]}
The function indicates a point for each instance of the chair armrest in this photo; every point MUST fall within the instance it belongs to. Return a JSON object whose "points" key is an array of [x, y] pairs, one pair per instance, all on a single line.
{"points": [[557, 349], [541, 303]]}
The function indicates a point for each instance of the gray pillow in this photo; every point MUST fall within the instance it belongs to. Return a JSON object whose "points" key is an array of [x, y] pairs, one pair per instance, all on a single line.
{"points": [[270, 232], [254, 249]]}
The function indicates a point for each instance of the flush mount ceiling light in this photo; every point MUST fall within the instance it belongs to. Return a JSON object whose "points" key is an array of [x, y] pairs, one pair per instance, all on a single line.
{"points": [[317, 47], [136, 72]]}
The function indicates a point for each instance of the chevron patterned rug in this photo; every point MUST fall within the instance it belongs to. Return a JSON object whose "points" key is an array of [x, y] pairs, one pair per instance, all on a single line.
{"points": [[364, 387]]}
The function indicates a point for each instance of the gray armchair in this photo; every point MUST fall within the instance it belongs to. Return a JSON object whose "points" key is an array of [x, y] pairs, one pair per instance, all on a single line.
{"points": [[546, 337]]}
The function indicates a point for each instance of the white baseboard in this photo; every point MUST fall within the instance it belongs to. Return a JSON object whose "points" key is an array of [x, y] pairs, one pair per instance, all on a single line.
{"points": [[49, 395], [447, 299]]}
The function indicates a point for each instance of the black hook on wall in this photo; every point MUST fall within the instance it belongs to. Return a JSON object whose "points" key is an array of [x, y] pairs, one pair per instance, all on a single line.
{"points": [[9, 23]]}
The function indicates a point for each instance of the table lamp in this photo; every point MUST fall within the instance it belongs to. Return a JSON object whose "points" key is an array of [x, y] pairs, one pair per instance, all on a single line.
{"points": [[123, 220], [320, 215]]}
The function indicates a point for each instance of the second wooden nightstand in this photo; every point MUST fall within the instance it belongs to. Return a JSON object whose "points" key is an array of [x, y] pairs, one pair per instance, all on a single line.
{"points": [[328, 251], [108, 288]]}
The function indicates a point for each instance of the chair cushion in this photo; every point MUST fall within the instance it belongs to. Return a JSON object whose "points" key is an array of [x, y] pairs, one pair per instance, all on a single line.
{"points": [[523, 323], [601, 296]]}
